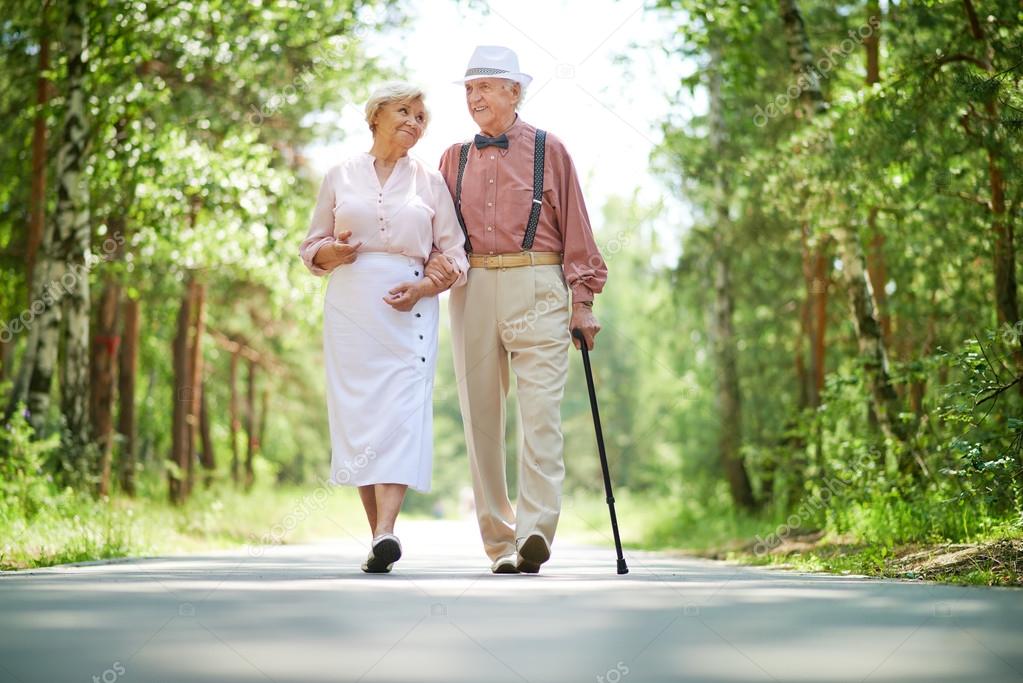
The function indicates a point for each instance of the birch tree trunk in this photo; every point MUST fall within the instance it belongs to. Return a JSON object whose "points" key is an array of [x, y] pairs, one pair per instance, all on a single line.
{"points": [[73, 234]]}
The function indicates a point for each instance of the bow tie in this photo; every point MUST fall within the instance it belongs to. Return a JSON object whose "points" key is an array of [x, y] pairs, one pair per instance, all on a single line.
{"points": [[482, 141]]}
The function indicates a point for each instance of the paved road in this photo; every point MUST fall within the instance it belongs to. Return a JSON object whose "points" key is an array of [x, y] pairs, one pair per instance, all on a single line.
{"points": [[306, 613]]}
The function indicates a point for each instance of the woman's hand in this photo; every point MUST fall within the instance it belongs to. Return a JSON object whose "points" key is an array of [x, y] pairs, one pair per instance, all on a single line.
{"points": [[406, 295], [337, 253]]}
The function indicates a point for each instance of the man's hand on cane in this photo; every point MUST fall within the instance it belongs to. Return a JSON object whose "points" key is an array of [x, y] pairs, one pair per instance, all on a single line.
{"points": [[584, 320]]}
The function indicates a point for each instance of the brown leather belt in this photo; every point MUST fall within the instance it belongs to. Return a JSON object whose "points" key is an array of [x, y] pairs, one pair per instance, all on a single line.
{"points": [[525, 258]]}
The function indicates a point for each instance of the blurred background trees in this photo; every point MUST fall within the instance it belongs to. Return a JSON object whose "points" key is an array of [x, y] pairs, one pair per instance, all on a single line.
{"points": [[838, 346]]}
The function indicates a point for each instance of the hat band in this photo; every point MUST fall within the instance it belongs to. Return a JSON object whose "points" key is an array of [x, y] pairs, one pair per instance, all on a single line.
{"points": [[485, 71]]}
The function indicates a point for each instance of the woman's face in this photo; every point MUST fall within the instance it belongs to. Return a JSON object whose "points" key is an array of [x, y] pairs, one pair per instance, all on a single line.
{"points": [[401, 123]]}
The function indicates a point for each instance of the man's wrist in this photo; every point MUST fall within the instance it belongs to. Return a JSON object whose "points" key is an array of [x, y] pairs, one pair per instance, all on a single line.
{"points": [[587, 304]]}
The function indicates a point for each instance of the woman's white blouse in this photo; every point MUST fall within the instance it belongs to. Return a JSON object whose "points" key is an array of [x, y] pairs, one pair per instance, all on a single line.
{"points": [[412, 214]]}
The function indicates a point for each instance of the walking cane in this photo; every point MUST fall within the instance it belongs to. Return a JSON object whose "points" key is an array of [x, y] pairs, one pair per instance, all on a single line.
{"points": [[578, 334]]}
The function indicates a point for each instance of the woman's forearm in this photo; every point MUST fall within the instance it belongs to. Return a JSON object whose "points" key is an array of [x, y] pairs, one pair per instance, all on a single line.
{"points": [[427, 287]]}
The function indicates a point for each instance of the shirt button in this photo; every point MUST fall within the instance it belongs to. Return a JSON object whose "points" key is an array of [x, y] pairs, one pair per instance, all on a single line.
{"points": [[491, 181], [492, 156], [420, 336], [489, 228], [490, 203], [419, 315], [416, 273], [422, 358]]}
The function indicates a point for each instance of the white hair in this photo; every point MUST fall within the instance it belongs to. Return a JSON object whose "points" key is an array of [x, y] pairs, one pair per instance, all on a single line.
{"points": [[509, 84], [391, 92]]}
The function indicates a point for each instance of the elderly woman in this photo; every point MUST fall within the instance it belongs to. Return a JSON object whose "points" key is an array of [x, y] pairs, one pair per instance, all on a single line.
{"points": [[378, 216]]}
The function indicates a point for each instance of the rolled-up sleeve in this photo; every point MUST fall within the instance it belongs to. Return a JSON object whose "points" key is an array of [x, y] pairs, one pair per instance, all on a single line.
{"points": [[321, 225], [585, 269], [447, 233]]}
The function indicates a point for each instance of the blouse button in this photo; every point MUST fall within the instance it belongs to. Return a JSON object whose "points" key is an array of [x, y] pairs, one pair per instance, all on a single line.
{"points": [[419, 315], [420, 336], [415, 272]]}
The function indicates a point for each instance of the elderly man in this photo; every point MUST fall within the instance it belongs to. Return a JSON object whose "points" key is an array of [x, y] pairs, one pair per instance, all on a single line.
{"points": [[529, 240]]}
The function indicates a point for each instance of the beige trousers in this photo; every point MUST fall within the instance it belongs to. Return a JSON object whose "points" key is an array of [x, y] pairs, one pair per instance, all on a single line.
{"points": [[517, 318]]}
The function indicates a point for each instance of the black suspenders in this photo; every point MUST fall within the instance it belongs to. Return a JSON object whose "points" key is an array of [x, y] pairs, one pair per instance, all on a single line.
{"points": [[534, 213], [463, 156]]}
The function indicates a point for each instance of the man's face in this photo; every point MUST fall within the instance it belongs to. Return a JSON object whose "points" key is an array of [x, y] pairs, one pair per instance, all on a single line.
{"points": [[491, 102]]}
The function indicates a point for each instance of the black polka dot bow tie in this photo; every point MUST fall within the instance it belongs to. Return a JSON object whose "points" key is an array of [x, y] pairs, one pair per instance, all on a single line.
{"points": [[482, 141]]}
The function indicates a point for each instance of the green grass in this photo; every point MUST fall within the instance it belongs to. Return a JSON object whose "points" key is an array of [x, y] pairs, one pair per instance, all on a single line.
{"points": [[74, 528]]}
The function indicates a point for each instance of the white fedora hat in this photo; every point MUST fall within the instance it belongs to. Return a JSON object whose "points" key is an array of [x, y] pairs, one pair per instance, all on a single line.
{"points": [[494, 61]]}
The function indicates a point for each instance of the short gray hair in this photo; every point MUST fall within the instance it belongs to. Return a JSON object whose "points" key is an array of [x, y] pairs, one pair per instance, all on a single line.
{"points": [[391, 92], [509, 84]]}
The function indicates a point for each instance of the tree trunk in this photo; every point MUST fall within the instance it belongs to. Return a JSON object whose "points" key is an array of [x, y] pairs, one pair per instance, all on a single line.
{"points": [[250, 424], [126, 394], [103, 371], [6, 349], [264, 404], [873, 354], [811, 98], [209, 462], [819, 283], [876, 267], [1006, 303], [811, 102], [37, 194], [73, 236], [62, 283], [182, 397], [195, 367], [235, 462], [729, 399]]}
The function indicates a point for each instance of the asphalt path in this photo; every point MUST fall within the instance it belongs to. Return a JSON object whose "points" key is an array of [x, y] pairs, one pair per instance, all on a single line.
{"points": [[307, 613]]}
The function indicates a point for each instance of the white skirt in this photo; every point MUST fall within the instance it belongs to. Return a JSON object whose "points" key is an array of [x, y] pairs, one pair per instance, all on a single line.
{"points": [[380, 364]]}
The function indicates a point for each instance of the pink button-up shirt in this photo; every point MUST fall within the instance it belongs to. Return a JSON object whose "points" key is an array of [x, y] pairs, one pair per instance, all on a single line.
{"points": [[410, 215], [497, 195]]}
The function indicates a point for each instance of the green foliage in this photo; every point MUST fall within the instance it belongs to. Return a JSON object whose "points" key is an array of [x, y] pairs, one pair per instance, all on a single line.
{"points": [[24, 487]]}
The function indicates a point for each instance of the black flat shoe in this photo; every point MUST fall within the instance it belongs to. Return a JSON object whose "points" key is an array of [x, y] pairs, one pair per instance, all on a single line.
{"points": [[386, 551]]}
